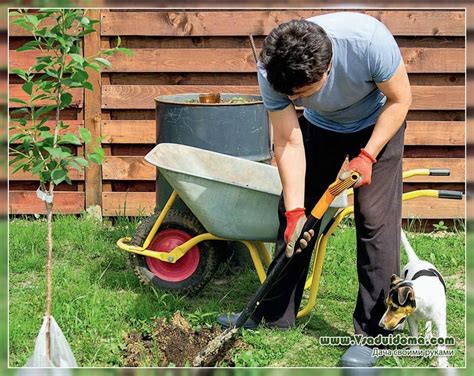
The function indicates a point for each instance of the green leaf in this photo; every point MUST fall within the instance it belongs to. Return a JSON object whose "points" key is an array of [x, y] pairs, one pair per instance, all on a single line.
{"points": [[67, 82], [70, 139], [58, 176], [22, 121], [45, 176], [42, 121], [95, 158], [17, 100], [51, 73], [85, 135], [16, 159], [75, 165], [62, 125], [39, 67], [32, 19], [38, 166], [31, 45], [44, 110], [19, 72], [67, 151], [45, 59], [21, 22], [103, 61], [19, 111], [80, 76], [40, 96], [42, 32], [124, 50], [16, 137], [52, 165], [81, 161], [27, 87], [93, 66], [47, 139], [88, 85], [61, 41], [57, 152], [19, 166], [85, 21], [43, 84], [66, 99], [77, 58]]}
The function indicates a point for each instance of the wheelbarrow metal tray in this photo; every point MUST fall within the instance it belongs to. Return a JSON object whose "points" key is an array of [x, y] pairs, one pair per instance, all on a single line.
{"points": [[232, 197]]}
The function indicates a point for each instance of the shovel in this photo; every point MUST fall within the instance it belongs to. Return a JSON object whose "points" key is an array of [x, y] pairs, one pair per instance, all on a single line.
{"points": [[313, 222]]}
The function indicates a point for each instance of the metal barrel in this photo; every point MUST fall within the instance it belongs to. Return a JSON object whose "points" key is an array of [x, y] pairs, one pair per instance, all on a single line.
{"points": [[236, 126]]}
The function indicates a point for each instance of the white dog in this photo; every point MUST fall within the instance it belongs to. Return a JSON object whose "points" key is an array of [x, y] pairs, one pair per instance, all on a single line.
{"points": [[419, 295]]}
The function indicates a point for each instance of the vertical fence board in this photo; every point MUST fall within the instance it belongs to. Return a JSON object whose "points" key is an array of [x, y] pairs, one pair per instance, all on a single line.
{"points": [[92, 112]]}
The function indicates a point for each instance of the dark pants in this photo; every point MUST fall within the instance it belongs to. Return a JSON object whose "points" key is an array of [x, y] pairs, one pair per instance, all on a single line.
{"points": [[378, 224]]}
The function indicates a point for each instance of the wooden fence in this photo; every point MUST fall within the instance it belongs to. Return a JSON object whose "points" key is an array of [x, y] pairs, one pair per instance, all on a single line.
{"points": [[209, 50]]}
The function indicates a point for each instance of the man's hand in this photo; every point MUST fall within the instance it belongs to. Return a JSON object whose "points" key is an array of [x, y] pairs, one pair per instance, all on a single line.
{"points": [[295, 220], [363, 165]]}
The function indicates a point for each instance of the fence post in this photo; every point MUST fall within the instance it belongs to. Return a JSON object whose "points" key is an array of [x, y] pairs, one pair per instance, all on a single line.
{"points": [[92, 110]]}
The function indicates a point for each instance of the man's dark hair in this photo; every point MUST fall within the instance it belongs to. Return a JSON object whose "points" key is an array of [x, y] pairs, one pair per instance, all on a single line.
{"points": [[295, 54]]}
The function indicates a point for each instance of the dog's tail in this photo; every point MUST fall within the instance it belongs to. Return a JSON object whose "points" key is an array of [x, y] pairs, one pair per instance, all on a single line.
{"points": [[408, 248]]}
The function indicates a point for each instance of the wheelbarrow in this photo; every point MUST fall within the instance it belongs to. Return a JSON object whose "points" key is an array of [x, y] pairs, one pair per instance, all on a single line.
{"points": [[231, 199]]}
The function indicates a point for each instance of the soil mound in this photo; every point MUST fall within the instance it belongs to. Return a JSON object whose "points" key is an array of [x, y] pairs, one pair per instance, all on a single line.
{"points": [[173, 343]]}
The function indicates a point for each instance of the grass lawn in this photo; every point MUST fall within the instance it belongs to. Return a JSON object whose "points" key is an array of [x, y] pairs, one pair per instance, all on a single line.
{"points": [[97, 299]]}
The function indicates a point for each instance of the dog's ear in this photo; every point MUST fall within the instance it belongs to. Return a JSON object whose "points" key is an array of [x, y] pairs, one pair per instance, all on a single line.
{"points": [[406, 295], [395, 280]]}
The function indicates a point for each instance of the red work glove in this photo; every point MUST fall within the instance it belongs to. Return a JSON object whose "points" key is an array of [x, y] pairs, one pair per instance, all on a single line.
{"points": [[295, 220], [363, 165]]}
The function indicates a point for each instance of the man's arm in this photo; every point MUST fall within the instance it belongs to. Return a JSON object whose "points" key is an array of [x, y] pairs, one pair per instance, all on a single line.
{"points": [[398, 92], [289, 154]]}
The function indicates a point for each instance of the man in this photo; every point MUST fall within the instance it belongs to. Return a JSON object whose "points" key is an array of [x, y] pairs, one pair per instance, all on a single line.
{"points": [[346, 70]]}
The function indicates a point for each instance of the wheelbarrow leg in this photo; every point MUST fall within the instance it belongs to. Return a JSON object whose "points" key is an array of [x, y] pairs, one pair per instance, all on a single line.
{"points": [[257, 262], [309, 279], [264, 253], [318, 267], [319, 261], [160, 219]]}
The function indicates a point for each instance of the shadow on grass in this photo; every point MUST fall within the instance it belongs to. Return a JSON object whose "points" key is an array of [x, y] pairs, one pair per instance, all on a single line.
{"points": [[319, 326]]}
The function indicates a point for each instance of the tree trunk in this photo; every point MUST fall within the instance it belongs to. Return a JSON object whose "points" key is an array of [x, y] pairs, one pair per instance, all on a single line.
{"points": [[49, 287]]}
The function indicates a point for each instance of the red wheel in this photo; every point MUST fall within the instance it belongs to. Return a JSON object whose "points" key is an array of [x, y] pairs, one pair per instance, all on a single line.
{"points": [[166, 241], [192, 271]]}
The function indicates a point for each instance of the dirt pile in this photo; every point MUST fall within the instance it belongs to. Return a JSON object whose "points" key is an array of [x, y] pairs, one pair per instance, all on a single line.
{"points": [[174, 343]]}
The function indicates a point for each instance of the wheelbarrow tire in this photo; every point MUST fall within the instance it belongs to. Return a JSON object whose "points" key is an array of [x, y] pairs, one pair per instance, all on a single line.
{"points": [[209, 258]]}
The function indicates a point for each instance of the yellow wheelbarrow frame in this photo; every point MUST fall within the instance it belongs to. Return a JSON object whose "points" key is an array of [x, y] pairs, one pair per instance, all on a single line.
{"points": [[259, 253]]}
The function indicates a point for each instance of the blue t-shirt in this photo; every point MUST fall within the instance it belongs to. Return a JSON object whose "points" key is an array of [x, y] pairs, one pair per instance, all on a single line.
{"points": [[364, 52]]}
